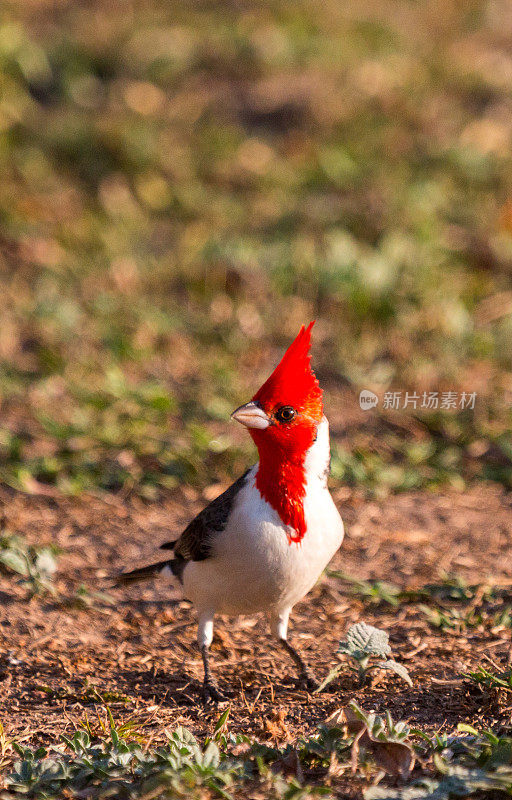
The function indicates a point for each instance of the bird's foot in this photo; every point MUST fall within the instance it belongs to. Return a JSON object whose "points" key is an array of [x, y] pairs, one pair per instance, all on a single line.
{"points": [[211, 694], [307, 680]]}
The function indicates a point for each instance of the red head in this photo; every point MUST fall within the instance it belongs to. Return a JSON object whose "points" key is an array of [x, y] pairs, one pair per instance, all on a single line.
{"points": [[282, 419]]}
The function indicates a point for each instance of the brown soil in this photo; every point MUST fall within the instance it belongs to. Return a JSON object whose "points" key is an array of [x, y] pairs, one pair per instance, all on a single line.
{"points": [[142, 650]]}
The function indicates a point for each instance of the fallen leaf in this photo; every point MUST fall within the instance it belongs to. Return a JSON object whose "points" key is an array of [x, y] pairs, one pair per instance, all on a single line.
{"points": [[395, 758]]}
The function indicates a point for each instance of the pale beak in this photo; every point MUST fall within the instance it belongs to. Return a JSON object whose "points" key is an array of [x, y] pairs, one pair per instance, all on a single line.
{"points": [[252, 416]]}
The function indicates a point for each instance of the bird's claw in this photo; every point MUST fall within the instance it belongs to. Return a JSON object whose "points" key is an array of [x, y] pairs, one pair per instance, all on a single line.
{"points": [[212, 695], [307, 681]]}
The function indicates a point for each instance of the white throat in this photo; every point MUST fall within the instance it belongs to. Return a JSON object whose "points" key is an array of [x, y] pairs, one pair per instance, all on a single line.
{"points": [[318, 457]]}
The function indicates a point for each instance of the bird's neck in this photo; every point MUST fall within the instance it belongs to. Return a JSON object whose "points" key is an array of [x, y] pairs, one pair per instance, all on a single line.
{"points": [[282, 479]]}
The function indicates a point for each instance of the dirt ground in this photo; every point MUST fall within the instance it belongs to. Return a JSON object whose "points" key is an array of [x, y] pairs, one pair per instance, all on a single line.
{"points": [[140, 653]]}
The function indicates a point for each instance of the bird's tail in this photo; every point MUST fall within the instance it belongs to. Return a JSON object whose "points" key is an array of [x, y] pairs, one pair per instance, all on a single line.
{"points": [[143, 573]]}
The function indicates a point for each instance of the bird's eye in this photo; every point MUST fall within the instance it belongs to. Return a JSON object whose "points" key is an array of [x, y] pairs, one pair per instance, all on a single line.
{"points": [[285, 414]]}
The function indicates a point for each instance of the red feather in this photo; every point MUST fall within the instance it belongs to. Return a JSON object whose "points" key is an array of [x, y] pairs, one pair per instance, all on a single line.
{"points": [[282, 449], [293, 382]]}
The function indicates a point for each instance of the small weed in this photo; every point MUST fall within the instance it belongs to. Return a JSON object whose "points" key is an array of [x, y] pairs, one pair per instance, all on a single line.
{"points": [[223, 737], [36, 565], [451, 588], [374, 591], [330, 740], [119, 762], [5, 747], [129, 730], [363, 643], [85, 599], [114, 764], [492, 680], [452, 618], [470, 762], [88, 693], [384, 739], [455, 588]]}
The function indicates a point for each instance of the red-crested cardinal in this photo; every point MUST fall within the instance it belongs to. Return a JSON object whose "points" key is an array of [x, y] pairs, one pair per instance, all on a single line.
{"points": [[263, 543]]}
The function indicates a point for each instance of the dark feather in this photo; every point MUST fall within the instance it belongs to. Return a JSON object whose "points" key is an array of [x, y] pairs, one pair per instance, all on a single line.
{"points": [[169, 545], [141, 574], [195, 543]]}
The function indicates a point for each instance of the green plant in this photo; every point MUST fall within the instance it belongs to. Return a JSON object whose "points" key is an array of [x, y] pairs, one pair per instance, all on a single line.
{"points": [[35, 564], [86, 599], [468, 762], [115, 761], [362, 644], [451, 587], [383, 739], [476, 764], [374, 591], [452, 618], [5, 747], [492, 680], [223, 737], [457, 782]]}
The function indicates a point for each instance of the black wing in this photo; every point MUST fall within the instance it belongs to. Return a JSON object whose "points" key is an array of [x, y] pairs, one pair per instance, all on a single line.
{"points": [[195, 543]]}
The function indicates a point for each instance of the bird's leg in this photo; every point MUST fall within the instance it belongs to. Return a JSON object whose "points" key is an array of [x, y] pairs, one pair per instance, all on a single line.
{"points": [[306, 677], [279, 626], [204, 639], [210, 691]]}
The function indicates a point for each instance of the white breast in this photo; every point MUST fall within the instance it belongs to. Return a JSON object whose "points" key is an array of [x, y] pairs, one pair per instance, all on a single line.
{"points": [[254, 567]]}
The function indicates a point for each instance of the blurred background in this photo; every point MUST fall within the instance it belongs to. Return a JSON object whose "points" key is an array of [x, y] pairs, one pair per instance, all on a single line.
{"points": [[184, 184]]}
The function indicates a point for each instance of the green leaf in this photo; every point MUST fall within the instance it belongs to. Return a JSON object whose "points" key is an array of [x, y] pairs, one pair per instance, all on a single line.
{"points": [[45, 562], [211, 756], [458, 782], [483, 677], [426, 790], [398, 669], [15, 561], [221, 721], [463, 728], [333, 674], [374, 591], [464, 780], [364, 640]]}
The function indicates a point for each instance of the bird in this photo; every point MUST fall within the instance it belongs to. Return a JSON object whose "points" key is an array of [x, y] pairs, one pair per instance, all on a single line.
{"points": [[262, 544]]}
